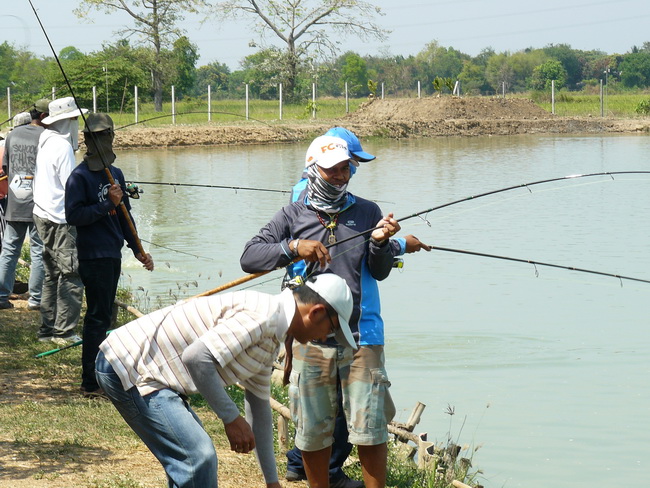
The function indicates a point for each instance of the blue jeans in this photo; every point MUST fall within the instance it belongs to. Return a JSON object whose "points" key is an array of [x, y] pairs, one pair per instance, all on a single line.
{"points": [[169, 428], [12, 243]]}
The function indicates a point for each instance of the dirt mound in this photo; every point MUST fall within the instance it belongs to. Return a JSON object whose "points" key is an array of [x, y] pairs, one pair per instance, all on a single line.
{"points": [[449, 108], [390, 118]]}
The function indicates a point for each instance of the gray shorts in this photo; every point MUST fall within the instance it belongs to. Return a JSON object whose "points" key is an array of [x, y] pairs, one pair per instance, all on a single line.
{"points": [[312, 391]]}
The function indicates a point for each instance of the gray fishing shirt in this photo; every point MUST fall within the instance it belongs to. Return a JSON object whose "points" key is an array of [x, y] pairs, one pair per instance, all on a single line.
{"points": [[19, 163], [359, 261]]}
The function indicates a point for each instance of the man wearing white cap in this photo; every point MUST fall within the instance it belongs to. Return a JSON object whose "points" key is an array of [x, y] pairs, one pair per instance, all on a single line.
{"points": [[327, 214], [62, 286], [341, 448], [149, 366]]}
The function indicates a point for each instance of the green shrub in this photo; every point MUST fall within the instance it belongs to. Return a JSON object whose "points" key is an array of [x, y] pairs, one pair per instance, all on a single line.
{"points": [[643, 107]]}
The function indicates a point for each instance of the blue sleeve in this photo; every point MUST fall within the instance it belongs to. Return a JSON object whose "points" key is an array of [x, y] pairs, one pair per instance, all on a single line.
{"points": [[398, 245], [297, 189]]}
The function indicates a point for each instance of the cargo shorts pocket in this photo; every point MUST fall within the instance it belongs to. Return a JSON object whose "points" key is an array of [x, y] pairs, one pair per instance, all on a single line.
{"points": [[381, 400]]}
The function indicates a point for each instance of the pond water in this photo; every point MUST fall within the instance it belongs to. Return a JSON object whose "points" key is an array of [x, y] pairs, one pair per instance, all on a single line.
{"points": [[546, 369]]}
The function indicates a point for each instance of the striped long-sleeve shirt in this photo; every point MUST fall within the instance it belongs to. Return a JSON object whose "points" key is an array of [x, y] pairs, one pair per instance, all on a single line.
{"points": [[242, 330]]}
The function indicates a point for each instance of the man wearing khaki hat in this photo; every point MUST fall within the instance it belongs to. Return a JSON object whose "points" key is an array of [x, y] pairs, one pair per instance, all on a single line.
{"points": [[62, 286], [91, 206]]}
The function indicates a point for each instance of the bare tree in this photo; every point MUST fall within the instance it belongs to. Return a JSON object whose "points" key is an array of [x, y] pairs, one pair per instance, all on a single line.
{"points": [[305, 27], [155, 23]]}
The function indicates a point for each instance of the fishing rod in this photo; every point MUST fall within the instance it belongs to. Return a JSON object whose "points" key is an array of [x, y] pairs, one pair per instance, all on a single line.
{"points": [[211, 186], [59, 349], [252, 276], [539, 263], [111, 180], [223, 187]]}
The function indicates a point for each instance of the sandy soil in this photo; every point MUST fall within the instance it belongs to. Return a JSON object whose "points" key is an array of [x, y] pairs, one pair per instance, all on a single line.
{"points": [[392, 118]]}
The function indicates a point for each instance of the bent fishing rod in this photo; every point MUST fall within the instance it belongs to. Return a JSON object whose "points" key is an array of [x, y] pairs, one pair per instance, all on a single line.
{"points": [[102, 157], [611, 174]]}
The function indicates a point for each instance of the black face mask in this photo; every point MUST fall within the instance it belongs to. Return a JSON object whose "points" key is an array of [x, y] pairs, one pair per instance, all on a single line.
{"points": [[99, 149]]}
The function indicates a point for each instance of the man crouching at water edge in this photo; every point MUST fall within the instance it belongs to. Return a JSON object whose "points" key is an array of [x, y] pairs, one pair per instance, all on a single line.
{"points": [[149, 366]]}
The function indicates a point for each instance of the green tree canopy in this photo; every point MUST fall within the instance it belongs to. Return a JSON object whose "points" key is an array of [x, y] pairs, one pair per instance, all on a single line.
{"points": [[184, 57], [571, 60], [545, 73], [214, 75], [155, 24], [354, 71], [635, 70]]}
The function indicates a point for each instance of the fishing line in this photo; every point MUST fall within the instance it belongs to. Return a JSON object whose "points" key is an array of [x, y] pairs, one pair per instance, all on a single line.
{"points": [[109, 175], [223, 187], [278, 129], [176, 250]]}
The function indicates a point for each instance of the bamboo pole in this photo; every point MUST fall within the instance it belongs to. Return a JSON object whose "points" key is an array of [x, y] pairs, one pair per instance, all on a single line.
{"points": [[236, 282], [129, 308], [459, 484]]}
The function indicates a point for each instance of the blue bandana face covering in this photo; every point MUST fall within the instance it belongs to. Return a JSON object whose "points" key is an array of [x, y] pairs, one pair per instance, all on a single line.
{"points": [[323, 195]]}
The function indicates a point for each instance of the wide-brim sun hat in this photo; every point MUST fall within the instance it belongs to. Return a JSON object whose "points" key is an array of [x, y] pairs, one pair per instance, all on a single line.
{"points": [[354, 145], [63, 108], [328, 151]]}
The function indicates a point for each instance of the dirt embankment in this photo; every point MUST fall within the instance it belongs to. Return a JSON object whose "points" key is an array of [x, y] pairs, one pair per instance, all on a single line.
{"points": [[392, 118]]}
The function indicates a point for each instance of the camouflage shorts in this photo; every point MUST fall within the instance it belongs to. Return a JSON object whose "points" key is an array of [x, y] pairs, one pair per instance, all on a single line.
{"points": [[312, 391]]}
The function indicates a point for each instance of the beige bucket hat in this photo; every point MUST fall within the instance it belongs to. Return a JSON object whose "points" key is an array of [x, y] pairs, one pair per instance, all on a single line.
{"points": [[63, 108]]}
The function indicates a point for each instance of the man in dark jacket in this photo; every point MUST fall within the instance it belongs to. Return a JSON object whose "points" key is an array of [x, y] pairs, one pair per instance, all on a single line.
{"points": [[91, 205]]}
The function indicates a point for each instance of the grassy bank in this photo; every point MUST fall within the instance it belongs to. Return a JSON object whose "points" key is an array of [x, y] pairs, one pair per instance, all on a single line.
{"points": [[577, 104]]}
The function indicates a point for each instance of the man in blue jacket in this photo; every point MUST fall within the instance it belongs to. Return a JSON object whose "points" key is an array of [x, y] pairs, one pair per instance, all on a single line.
{"points": [[91, 205]]}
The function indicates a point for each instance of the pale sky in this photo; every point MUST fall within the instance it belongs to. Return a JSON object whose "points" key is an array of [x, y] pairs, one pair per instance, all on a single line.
{"points": [[467, 25]]}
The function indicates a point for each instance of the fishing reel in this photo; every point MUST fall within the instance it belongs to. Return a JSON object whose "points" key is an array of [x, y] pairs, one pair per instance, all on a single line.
{"points": [[398, 263], [133, 190], [292, 283]]}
